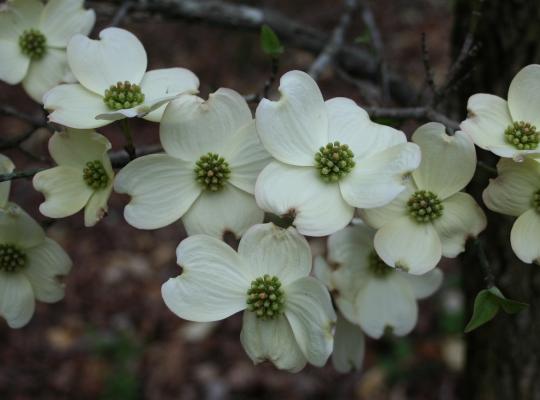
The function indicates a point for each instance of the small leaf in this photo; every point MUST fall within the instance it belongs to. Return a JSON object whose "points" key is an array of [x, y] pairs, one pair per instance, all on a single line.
{"points": [[486, 307], [509, 306], [364, 38], [270, 42]]}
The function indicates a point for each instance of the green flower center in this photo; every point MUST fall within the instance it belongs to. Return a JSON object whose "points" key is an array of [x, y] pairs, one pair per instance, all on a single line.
{"points": [[377, 266], [212, 172], [95, 176], [33, 44], [123, 95], [536, 201], [334, 161], [12, 259], [265, 297], [522, 135], [425, 206]]}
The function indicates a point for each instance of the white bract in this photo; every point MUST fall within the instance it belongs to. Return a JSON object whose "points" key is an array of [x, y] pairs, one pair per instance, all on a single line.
{"points": [[33, 41], [349, 346], [288, 317], [508, 128], [431, 218], [114, 83], [207, 174], [6, 167], [330, 158], [516, 192], [368, 292], [83, 178]]}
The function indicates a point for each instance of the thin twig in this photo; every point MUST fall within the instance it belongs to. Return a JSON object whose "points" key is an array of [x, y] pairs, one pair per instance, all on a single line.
{"points": [[419, 113], [484, 262], [430, 80], [32, 120], [121, 13], [377, 42], [272, 78], [326, 57]]}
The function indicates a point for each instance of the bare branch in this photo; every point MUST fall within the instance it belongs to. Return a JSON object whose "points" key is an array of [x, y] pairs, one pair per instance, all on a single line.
{"points": [[32, 120], [419, 113], [329, 52], [355, 60], [121, 13], [430, 80], [377, 42]]}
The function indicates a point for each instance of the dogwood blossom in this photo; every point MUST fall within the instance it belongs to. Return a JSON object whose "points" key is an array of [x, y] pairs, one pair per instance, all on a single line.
{"points": [[33, 41], [516, 192], [288, 317], [207, 174], [82, 179], [507, 128], [330, 158], [431, 218], [114, 83], [368, 292]]}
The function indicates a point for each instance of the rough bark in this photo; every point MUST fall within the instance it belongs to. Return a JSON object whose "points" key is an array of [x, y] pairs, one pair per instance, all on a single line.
{"points": [[503, 357]]}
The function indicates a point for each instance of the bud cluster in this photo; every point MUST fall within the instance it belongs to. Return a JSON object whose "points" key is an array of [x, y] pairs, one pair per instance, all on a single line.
{"points": [[424, 206], [95, 176], [212, 172], [377, 266], [522, 135], [33, 43], [265, 297], [334, 161], [123, 95], [12, 259]]}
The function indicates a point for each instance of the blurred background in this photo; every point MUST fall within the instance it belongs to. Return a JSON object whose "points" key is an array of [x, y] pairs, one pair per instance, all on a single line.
{"points": [[112, 336]]}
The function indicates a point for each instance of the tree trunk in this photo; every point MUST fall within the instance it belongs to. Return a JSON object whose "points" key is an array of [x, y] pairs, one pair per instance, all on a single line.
{"points": [[503, 356]]}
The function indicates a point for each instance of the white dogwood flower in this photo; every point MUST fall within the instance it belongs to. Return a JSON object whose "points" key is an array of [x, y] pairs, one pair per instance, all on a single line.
{"points": [[114, 83], [6, 167], [83, 178], [30, 264], [33, 41], [368, 292], [288, 317], [330, 158], [207, 174], [431, 218], [516, 192], [507, 128]]}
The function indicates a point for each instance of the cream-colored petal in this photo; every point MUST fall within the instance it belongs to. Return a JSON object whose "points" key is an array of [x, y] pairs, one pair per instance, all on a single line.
{"points": [[246, 157], [488, 117], [64, 189], [524, 95], [408, 245], [117, 56], [6, 167], [162, 189], [16, 299], [45, 74], [271, 340], [46, 265], [448, 162], [192, 127], [351, 244], [386, 303], [213, 284], [424, 285], [525, 235], [512, 191], [14, 65], [74, 148], [308, 309], [462, 219], [349, 346], [318, 207], [274, 251], [19, 228], [216, 213], [74, 106], [378, 179], [62, 19], [159, 83], [97, 207], [350, 124], [293, 128], [25, 14]]}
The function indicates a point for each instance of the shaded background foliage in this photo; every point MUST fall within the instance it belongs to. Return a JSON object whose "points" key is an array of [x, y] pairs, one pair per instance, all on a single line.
{"points": [[113, 338]]}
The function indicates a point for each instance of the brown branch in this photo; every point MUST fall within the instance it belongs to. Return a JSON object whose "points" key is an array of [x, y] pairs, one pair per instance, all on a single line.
{"points": [[335, 43], [32, 120]]}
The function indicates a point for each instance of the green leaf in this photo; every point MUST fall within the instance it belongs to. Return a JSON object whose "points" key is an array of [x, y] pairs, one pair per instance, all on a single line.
{"points": [[270, 42], [364, 38], [486, 307], [509, 306]]}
